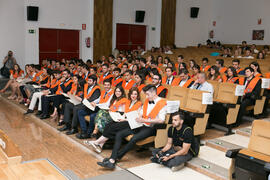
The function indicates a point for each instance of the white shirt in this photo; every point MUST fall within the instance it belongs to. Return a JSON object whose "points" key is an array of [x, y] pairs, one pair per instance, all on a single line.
{"points": [[108, 102], [204, 87], [181, 84], [162, 113], [170, 80]]}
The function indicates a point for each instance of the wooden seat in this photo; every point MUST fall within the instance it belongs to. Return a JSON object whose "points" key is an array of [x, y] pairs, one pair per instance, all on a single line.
{"points": [[215, 85], [178, 93], [9, 151], [259, 104]]}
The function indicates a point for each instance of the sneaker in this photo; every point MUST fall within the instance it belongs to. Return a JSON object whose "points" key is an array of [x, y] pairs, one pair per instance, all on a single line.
{"points": [[95, 147], [177, 168], [107, 164]]}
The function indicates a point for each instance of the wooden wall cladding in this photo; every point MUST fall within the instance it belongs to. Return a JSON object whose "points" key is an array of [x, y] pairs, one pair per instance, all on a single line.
{"points": [[167, 35], [103, 18]]}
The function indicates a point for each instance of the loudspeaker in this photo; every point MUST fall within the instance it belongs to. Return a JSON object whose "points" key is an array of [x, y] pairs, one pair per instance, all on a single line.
{"points": [[194, 12], [32, 13], [140, 16]]}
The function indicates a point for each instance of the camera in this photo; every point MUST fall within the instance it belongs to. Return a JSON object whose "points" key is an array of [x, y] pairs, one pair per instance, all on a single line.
{"points": [[161, 155]]}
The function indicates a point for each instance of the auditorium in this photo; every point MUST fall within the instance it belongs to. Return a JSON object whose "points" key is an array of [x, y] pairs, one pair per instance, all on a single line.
{"points": [[134, 89]]}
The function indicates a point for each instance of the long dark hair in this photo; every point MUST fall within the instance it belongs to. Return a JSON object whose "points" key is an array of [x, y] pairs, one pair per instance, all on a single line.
{"points": [[257, 65], [131, 91], [216, 72], [184, 65], [114, 98], [233, 71], [19, 68]]}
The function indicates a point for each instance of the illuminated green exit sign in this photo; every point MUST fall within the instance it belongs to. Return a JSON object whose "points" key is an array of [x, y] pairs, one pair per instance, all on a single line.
{"points": [[31, 31]]}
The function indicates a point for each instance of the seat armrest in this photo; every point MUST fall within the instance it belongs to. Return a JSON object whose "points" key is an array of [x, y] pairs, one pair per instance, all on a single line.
{"points": [[267, 167], [232, 153]]}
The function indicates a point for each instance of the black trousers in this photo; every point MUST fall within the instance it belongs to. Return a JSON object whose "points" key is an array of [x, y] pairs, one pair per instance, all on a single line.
{"points": [[244, 104], [138, 134], [113, 127], [46, 100], [71, 109]]}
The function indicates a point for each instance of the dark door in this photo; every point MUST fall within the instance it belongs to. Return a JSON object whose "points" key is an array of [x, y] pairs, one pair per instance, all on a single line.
{"points": [[129, 36], [58, 44]]}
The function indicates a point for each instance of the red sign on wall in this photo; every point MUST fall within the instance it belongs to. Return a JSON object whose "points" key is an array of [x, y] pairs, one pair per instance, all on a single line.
{"points": [[83, 26], [214, 23]]}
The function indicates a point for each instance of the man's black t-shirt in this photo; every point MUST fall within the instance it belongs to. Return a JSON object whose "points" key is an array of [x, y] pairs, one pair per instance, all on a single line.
{"points": [[184, 135]]}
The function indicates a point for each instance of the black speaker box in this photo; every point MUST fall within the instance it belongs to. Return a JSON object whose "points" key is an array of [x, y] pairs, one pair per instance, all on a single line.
{"points": [[32, 13], [194, 11], [140, 16]]}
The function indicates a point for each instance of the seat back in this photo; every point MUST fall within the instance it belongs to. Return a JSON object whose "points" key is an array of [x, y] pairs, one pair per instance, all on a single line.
{"points": [[194, 101], [215, 85], [226, 92], [260, 137], [178, 93]]}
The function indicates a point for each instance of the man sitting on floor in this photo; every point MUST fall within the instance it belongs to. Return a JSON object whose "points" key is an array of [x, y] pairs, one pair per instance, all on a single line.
{"points": [[180, 146]]}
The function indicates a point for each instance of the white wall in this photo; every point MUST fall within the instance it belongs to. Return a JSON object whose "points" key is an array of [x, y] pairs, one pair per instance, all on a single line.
{"points": [[237, 18], [191, 31], [124, 12], [12, 29], [60, 14]]}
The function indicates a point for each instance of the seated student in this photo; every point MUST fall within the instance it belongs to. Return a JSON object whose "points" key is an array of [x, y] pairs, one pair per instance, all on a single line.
{"points": [[226, 52], [244, 46], [85, 72], [236, 63], [153, 112], [139, 81], [202, 84], [252, 92], [180, 146], [237, 53], [256, 67], [248, 54], [171, 65], [196, 71], [192, 63], [205, 66], [160, 61], [266, 50], [184, 80], [231, 76], [133, 104], [169, 78], [214, 74], [52, 83], [117, 80], [161, 90], [182, 66], [15, 72], [135, 68], [64, 86], [155, 65], [105, 74], [105, 97], [117, 104], [128, 82], [143, 68], [220, 65], [112, 66], [124, 68], [180, 59], [260, 55]]}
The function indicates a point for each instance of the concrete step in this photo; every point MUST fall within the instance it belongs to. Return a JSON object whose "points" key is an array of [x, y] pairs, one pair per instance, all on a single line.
{"points": [[246, 131], [71, 175]]}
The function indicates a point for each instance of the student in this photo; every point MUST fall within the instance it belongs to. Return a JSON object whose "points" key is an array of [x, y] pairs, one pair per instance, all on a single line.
{"points": [[252, 92], [180, 146], [139, 81], [184, 79], [180, 59], [192, 63], [117, 80], [153, 112], [205, 66], [248, 54], [231, 76], [236, 65], [161, 90], [105, 97], [92, 94], [256, 67], [196, 71], [133, 104], [105, 74], [128, 82], [214, 74], [117, 104], [260, 55], [160, 61], [202, 84], [169, 78], [220, 65]]}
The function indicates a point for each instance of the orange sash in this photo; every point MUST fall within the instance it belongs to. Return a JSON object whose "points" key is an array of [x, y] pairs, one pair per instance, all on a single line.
{"points": [[59, 90], [101, 78], [223, 70], [37, 75], [188, 83], [160, 89], [153, 114], [117, 81], [140, 87], [251, 85], [115, 106], [259, 75], [204, 69], [85, 95], [129, 85], [16, 74], [239, 70], [232, 80], [106, 98], [135, 107]]}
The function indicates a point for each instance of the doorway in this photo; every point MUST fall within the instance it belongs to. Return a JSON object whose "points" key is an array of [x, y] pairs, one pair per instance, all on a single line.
{"points": [[130, 36], [58, 44]]}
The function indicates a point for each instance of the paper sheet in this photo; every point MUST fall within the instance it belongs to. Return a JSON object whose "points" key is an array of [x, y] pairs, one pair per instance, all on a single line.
{"points": [[239, 90], [88, 104], [173, 106], [207, 98], [116, 116], [103, 106], [36, 86], [265, 83], [131, 117], [74, 100]]}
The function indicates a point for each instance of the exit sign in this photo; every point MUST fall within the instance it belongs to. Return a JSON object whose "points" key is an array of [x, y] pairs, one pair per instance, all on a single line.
{"points": [[31, 31]]}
